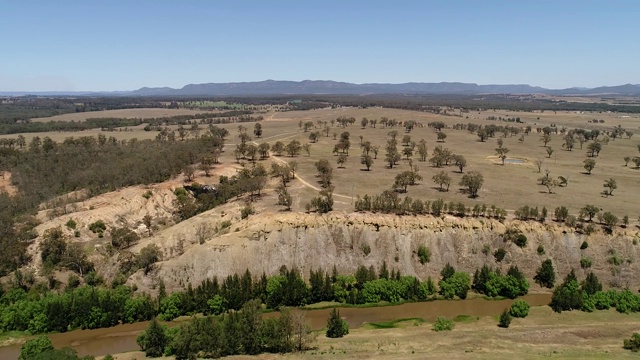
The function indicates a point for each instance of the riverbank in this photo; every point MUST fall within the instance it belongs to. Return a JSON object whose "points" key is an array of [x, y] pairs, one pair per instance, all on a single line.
{"points": [[543, 334], [122, 338]]}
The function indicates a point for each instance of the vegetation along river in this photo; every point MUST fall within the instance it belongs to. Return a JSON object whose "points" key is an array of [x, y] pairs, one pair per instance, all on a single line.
{"points": [[122, 338]]}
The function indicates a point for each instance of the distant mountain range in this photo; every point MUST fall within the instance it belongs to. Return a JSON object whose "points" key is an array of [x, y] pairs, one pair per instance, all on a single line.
{"points": [[312, 87]]}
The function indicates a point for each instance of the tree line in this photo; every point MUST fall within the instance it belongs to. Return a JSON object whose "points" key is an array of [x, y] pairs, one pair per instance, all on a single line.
{"points": [[40, 310]]}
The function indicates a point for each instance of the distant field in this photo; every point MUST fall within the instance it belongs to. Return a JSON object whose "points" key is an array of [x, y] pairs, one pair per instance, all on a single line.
{"points": [[123, 113], [210, 104], [509, 186]]}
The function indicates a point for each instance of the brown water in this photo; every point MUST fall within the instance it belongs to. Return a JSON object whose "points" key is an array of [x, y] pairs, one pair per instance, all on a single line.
{"points": [[122, 338]]}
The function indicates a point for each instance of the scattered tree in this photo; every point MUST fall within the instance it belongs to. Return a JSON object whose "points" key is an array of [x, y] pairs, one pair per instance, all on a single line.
{"points": [[442, 179], [549, 151], [367, 161], [473, 181], [610, 185], [589, 164]]}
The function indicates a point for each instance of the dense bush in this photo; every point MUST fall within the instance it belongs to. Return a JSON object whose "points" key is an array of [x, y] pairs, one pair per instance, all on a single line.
{"points": [[424, 254], [519, 309], [521, 240], [499, 254], [97, 226], [35, 347], [443, 324]]}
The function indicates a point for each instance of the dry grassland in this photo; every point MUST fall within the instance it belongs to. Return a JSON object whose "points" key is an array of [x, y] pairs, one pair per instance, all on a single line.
{"points": [[509, 186]]}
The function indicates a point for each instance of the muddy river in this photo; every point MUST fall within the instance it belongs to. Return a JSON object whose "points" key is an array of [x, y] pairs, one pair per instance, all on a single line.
{"points": [[122, 338]]}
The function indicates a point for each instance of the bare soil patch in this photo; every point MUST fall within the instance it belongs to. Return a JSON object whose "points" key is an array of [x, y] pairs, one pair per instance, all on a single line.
{"points": [[5, 183]]}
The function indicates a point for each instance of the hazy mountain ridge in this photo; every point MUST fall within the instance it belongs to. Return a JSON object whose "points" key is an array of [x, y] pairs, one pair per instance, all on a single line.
{"points": [[311, 87]]}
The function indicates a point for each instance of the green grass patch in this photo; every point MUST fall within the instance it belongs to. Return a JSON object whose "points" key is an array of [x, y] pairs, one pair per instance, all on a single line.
{"points": [[395, 323], [465, 319]]}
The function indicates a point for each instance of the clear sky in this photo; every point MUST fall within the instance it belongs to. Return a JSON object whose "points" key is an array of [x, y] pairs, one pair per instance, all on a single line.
{"points": [[124, 45]]}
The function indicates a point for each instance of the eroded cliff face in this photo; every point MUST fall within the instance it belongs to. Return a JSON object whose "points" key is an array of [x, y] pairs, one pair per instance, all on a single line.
{"points": [[265, 242]]}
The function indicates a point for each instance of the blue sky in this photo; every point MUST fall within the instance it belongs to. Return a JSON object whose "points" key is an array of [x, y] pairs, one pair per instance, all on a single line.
{"points": [[124, 45]]}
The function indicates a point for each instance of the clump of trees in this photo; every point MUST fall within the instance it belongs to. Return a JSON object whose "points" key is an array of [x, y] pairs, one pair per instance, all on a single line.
{"points": [[491, 283], [388, 202], [237, 333]]}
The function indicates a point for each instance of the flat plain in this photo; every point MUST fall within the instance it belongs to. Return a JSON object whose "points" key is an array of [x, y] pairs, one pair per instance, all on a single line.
{"points": [[508, 186]]}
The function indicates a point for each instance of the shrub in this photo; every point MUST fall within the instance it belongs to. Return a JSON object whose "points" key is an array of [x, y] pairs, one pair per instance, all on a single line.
{"points": [[584, 245], [366, 249], [76, 233], [486, 249], [540, 250], [615, 260], [519, 309], [590, 229], [632, 344], [225, 224], [500, 254], [443, 324], [424, 254], [585, 262], [73, 281], [336, 327], [521, 240], [98, 226], [148, 194], [246, 211], [505, 319], [71, 224]]}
